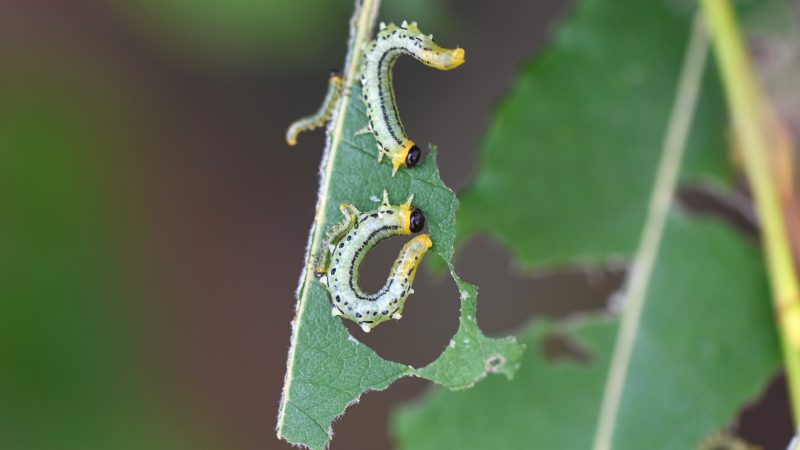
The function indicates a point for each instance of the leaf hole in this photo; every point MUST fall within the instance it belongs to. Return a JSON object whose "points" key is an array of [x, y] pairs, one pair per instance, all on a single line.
{"points": [[557, 347], [495, 363]]}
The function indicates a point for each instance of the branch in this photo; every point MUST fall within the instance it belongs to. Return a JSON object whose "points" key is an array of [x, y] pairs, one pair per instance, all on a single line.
{"points": [[762, 146]]}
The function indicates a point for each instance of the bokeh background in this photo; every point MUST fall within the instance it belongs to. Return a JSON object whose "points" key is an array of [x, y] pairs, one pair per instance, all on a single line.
{"points": [[153, 220]]}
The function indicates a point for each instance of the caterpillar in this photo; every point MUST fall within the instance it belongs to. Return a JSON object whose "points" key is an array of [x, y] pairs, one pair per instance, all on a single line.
{"points": [[321, 117], [346, 245], [378, 92], [725, 441]]}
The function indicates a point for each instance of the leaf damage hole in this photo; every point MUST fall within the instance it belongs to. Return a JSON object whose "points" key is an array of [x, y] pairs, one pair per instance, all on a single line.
{"points": [[495, 363], [556, 347]]}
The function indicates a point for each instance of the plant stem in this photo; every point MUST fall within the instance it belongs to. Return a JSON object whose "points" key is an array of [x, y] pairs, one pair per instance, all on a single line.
{"points": [[661, 200], [754, 124]]}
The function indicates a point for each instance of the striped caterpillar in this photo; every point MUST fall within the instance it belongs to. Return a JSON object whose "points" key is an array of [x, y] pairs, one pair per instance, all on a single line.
{"points": [[380, 55], [337, 265], [378, 91], [323, 115]]}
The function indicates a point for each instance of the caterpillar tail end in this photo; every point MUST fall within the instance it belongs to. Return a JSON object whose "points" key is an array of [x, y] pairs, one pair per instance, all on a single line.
{"points": [[291, 136], [444, 59], [425, 241], [458, 57]]}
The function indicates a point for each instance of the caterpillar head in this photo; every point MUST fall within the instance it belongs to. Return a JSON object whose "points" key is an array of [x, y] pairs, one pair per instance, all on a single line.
{"points": [[408, 157], [416, 221], [413, 219]]}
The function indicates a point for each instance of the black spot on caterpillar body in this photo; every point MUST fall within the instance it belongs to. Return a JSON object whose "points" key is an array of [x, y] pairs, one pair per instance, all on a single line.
{"points": [[348, 243], [378, 91]]}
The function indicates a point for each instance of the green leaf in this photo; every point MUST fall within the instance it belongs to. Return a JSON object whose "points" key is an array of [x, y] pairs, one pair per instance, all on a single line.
{"points": [[696, 337], [577, 138], [70, 373], [328, 369], [471, 355], [706, 347]]}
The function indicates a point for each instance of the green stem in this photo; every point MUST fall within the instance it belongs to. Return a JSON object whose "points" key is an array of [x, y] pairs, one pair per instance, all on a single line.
{"points": [[661, 200], [752, 119]]}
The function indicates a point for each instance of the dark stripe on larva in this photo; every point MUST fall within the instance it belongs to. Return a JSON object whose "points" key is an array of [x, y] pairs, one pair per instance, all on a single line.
{"points": [[393, 53], [390, 81], [368, 243]]}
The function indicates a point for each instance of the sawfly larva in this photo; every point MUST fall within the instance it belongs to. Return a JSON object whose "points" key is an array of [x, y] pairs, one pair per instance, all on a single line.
{"points": [[323, 115], [337, 265], [378, 91]]}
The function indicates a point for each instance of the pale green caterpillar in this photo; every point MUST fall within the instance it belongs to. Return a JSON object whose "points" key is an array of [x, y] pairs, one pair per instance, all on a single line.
{"points": [[378, 91], [337, 265], [323, 115]]}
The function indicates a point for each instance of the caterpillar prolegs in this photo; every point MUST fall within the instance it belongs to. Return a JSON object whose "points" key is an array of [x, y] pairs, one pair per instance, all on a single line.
{"points": [[378, 91], [337, 265], [384, 122]]}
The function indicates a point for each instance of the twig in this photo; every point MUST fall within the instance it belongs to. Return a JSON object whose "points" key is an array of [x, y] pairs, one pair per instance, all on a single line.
{"points": [[755, 125], [660, 202]]}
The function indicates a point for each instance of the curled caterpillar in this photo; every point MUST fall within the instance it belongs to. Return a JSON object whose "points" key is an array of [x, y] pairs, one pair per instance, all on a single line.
{"points": [[378, 92], [347, 244], [725, 441], [323, 115]]}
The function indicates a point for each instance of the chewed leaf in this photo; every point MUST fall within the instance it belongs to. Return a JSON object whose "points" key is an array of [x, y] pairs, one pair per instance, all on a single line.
{"points": [[471, 355], [677, 370], [327, 370], [696, 338]]}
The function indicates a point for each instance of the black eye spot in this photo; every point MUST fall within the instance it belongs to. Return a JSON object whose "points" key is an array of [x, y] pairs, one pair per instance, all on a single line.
{"points": [[417, 222], [412, 158]]}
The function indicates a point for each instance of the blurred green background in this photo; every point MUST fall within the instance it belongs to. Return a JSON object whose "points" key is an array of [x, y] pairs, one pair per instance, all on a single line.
{"points": [[153, 220]]}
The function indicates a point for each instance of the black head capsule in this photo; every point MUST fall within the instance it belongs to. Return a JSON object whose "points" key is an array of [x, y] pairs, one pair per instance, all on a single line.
{"points": [[412, 158], [417, 222], [335, 73]]}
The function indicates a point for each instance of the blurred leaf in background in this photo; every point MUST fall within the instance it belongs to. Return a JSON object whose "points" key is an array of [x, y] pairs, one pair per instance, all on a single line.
{"points": [[70, 377], [706, 348], [578, 141], [283, 34]]}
